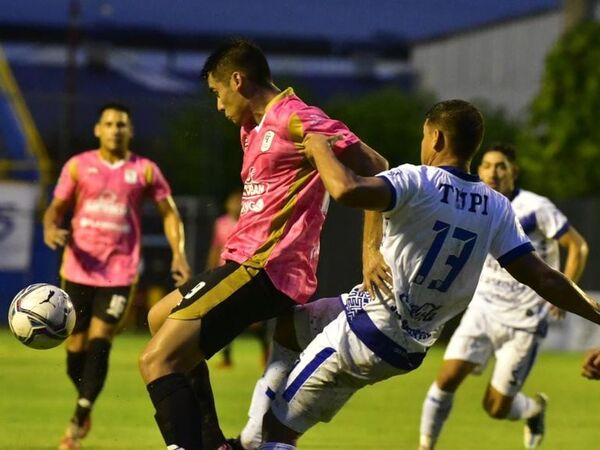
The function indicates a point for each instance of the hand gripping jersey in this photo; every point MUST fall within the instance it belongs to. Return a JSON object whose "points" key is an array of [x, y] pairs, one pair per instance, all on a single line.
{"points": [[437, 233], [511, 302], [284, 201], [104, 248]]}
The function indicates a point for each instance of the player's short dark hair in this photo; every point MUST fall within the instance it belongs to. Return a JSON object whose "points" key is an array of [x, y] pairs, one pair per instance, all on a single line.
{"points": [[116, 106], [238, 55], [506, 149], [461, 122]]}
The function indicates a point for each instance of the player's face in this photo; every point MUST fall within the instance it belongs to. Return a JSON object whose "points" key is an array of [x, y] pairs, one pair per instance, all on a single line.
{"points": [[498, 172], [229, 100], [114, 130]]}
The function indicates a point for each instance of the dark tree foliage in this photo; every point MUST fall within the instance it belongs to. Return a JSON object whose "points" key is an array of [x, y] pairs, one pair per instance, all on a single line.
{"points": [[561, 146]]}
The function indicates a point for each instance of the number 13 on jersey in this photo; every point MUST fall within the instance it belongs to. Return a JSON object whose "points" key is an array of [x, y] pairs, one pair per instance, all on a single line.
{"points": [[456, 262]]}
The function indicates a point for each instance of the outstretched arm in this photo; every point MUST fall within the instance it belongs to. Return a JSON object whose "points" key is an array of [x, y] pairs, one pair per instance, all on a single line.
{"points": [[553, 286], [173, 227]]}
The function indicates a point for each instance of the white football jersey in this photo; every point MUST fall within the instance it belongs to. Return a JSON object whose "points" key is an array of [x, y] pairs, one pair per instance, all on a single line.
{"points": [[441, 226], [511, 302]]}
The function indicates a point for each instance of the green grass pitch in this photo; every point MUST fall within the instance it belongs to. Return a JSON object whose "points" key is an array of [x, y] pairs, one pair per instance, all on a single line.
{"points": [[37, 399]]}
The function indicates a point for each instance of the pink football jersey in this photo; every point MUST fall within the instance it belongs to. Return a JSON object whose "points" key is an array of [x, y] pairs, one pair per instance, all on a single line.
{"points": [[104, 248], [284, 202]]}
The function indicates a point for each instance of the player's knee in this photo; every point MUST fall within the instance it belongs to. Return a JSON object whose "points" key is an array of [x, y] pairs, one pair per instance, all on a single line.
{"points": [[151, 364], [496, 409], [448, 381]]}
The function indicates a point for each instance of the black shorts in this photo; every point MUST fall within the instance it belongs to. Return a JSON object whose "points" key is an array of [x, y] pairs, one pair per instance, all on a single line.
{"points": [[228, 299], [109, 304]]}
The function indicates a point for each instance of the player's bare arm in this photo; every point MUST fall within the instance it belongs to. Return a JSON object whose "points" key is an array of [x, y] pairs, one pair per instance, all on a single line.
{"points": [[577, 254], [54, 235], [173, 227], [365, 161], [346, 187], [553, 286]]}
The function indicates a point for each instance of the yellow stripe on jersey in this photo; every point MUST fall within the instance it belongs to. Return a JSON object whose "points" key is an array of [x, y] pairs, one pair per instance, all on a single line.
{"points": [[73, 171], [280, 219], [216, 295], [148, 174], [296, 129], [285, 93]]}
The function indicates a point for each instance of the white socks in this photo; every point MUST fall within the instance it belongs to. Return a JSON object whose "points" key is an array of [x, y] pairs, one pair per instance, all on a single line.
{"points": [[523, 407], [279, 366], [436, 407]]}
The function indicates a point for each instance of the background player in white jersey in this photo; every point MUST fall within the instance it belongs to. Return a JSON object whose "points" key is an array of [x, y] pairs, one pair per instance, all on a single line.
{"points": [[505, 318], [440, 223]]}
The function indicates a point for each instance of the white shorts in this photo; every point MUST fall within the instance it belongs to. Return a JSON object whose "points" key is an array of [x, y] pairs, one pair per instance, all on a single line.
{"points": [[479, 336], [333, 367]]}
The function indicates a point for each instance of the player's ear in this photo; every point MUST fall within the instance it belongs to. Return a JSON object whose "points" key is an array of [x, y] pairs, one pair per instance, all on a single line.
{"points": [[439, 140], [97, 130], [236, 81]]}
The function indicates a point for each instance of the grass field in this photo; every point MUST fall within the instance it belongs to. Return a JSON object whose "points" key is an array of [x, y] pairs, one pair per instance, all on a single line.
{"points": [[37, 399]]}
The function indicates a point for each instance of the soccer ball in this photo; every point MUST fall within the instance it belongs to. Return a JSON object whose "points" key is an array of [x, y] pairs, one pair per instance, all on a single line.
{"points": [[41, 316]]}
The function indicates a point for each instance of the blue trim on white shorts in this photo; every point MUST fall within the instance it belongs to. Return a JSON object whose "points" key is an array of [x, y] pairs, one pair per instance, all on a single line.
{"points": [[380, 344], [305, 373]]}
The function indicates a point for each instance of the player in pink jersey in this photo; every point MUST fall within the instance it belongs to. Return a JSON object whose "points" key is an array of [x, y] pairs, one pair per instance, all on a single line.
{"points": [[105, 189], [271, 257], [222, 229]]}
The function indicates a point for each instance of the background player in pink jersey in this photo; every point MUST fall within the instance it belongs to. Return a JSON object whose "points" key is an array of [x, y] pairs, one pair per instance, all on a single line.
{"points": [[271, 258], [223, 228], [105, 189]]}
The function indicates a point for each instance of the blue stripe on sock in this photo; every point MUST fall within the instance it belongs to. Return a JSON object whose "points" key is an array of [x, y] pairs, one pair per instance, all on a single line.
{"points": [[319, 358], [270, 393]]}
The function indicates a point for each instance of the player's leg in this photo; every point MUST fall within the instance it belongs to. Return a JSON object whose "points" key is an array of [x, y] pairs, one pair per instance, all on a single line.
{"points": [[504, 399], [198, 377], [108, 309], [169, 355], [217, 306], [293, 332], [76, 347], [331, 369], [469, 348], [76, 343]]}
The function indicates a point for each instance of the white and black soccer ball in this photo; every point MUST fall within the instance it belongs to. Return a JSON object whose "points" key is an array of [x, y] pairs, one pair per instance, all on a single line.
{"points": [[41, 316]]}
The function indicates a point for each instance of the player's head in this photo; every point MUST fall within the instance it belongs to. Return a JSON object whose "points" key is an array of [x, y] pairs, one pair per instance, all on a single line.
{"points": [[234, 72], [114, 129], [233, 203], [452, 126], [498, 168]]}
